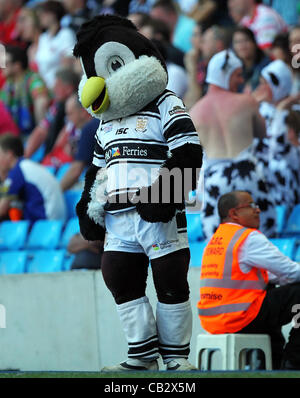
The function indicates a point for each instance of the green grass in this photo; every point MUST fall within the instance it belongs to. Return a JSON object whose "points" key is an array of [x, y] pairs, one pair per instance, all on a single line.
{"points": [[162, 374]]}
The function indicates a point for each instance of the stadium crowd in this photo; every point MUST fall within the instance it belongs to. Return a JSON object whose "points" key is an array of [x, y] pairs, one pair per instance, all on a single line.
{"points": [[40, 76]]}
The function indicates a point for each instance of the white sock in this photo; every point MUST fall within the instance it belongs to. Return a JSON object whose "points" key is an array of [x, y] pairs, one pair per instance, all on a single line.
{"points": [[174, 324], [139, 326]]}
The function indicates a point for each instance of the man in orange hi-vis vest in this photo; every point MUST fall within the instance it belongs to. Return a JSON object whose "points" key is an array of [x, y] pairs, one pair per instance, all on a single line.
{"points": [[238, 265]]}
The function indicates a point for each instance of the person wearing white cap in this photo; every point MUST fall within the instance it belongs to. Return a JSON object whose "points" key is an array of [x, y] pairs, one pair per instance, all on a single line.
{"points": [[276, 83], [276, 153], [227, 122]]}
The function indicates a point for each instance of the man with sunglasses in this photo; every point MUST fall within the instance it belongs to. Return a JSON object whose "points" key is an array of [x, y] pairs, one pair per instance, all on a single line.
{"points": [[239, 272]]}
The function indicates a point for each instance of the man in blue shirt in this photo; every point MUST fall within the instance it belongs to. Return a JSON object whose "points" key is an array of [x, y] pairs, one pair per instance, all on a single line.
{"points": [[29, 183]]}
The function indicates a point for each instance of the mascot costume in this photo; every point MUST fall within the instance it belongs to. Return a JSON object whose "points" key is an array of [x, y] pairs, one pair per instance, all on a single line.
{"points": [[144, 133]]}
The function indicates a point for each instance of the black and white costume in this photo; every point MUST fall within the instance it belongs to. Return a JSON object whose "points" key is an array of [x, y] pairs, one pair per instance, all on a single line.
{"points": [[276, 155], [240, 173], [281, 163], [144, 131], [245, 173]]}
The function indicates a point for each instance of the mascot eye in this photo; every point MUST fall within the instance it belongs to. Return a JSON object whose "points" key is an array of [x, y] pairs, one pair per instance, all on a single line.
{"points": [[115, 63], [110, 57]]}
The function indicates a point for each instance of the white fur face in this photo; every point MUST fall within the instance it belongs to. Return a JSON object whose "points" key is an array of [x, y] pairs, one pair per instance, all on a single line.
{"points": [[132, 85]]}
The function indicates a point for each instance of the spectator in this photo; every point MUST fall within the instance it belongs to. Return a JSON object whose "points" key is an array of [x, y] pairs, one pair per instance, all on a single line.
{"points": [[78, 12], [156, 29], [214, 40], [262, 20], [294, 46], [55, 44], [177, 76], [293, 123], [279, 154], [180, 25], [29, 29], [192, 63], [137, 6], [139, 18], [7, 124], [65, 145], [158, 32], [9, 12], [280, 48], [87, 254], [118, 7], [288, 11], [28, 182], [275, 85], [46, 132], [253, 58], [24, 93], [211, 12], [227, 123], [245, 262], [75, 143]]}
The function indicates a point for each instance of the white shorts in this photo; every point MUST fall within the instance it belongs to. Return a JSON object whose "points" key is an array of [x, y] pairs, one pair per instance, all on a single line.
{"points": [[128, 232]]}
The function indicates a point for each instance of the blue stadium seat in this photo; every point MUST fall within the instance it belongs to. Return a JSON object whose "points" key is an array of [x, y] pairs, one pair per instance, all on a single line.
{"points": [[197, 249], [82, 175], [292, 227], [39, 154], [71, 228], [72, 197], [194, 227], [13, 234], [297, 254], [68, 260], [51, 169], [46, 261], [280, 218], [13, 262], [45, 234], [62, 170], [286, 245]]}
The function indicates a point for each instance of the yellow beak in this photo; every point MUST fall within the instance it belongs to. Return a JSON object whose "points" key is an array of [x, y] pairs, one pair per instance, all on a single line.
{"points": [[94, 94]]}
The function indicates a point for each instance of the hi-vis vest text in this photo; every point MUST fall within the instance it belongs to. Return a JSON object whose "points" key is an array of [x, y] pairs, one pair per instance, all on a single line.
{"points": [[229, 298]]}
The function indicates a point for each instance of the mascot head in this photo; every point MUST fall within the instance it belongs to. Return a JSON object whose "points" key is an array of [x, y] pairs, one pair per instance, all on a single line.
{"points": [[123, 70]]}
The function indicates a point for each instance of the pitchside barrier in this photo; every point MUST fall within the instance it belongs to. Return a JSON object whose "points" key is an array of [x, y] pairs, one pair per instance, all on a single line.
{"points": [[67, 321]]}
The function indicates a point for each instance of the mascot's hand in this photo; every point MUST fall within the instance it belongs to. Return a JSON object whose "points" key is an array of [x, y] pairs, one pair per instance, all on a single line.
{"points": [[156, 212], [88, 228], [159, 201]]}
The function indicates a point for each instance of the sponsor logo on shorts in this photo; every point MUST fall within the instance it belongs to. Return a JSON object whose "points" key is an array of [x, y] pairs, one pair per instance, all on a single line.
{"points": [[164, 245]]}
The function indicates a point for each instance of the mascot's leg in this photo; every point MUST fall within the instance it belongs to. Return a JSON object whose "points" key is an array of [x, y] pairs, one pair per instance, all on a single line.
{"points": [[125, 276], [173, 311]]}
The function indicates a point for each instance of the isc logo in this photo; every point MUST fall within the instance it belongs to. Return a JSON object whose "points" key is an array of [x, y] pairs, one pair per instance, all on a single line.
{"points": [[122, 130]]}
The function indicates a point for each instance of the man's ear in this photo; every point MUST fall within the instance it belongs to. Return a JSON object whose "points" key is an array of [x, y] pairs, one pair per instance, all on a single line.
{"points": [[232, 214]]}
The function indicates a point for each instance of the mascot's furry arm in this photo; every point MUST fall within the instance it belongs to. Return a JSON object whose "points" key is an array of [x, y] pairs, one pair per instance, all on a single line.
{"points": [[188, 156], [90, 207]]}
